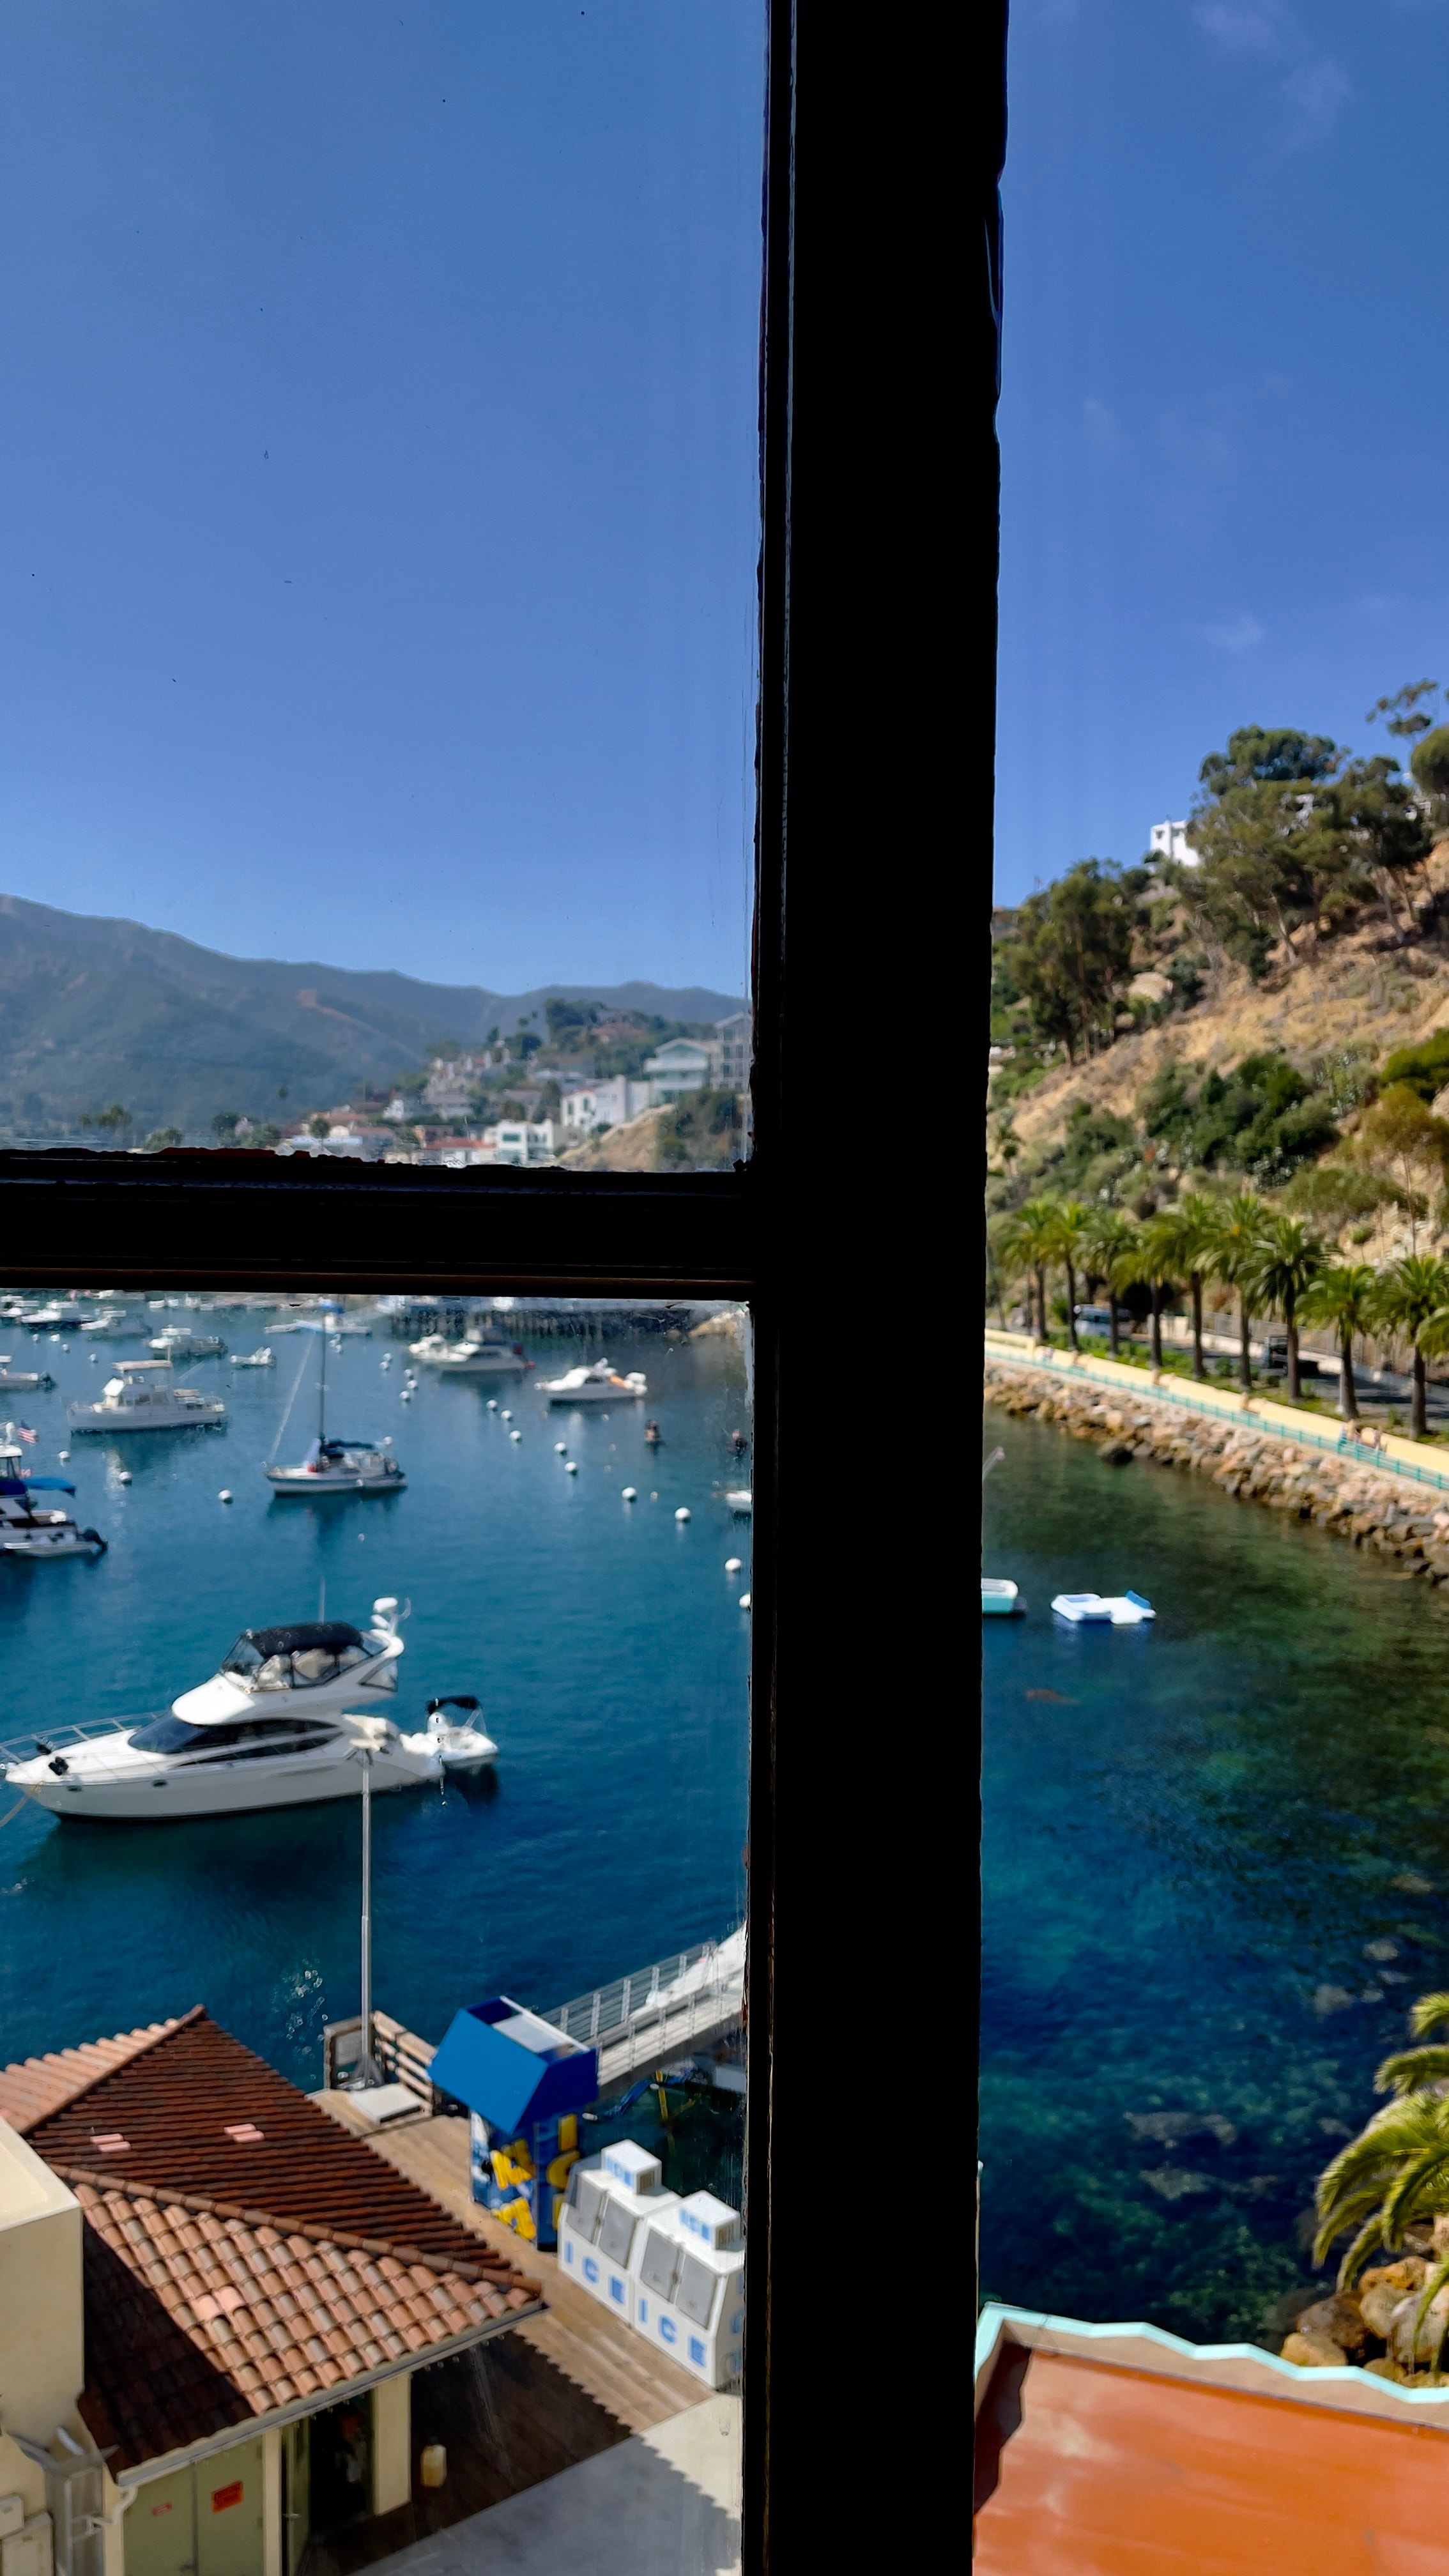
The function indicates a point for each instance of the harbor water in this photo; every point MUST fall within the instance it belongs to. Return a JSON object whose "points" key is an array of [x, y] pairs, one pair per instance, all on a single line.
{"points": [[1216, 1865], [604, 1640]]}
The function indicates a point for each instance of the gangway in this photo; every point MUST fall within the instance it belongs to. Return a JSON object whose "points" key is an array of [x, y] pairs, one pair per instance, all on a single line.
{"points": [[682, 2002]]}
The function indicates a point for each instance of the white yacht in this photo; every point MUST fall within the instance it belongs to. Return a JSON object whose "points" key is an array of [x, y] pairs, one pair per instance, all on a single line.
{"points": [[263, 1358], [43, 1534], [278, 1726], [142, 1396], [485, 1355], [178, 1342], [113, 1324], [600, 1384]]}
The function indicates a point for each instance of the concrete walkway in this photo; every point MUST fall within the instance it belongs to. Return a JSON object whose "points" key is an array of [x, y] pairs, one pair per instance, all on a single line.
{"points": [[664, 2503]]}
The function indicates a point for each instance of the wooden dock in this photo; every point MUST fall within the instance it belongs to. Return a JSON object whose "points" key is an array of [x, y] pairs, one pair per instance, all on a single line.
{"points": [[616, 2367]]}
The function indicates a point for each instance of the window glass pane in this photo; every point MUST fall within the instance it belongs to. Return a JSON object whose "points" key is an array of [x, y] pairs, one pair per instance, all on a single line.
{"points": [[396, 1650], [1219, 1248], [380, 578]]}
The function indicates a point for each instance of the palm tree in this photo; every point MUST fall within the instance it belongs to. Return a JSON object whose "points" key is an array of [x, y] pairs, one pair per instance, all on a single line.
{"points": [[1189, 1226], [1235, 1255], [1345, 1297], [1067, 1238], [1397, 2169], [1107, 1244], [1030, 1241], [1153, 1260], [1292, 1260], [1413, 1296]]}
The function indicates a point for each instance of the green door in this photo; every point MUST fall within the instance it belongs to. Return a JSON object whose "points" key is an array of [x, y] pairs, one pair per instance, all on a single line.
{"points": [[296, 2495], [160, 2535], [229, 2540]]}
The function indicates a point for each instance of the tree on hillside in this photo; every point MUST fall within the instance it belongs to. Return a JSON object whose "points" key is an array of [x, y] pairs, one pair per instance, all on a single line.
{"points": [[1429, 762], [224, 1124], [1402, 1141], [1235, 1256], [1292, 1260], [1109, 1238], [1344, 1297], [1378, 829], [1269, 756], [114, 1120], [1405, 711], [1271, 864], [1413, 1305], [318, 1124], [1072, 949]]}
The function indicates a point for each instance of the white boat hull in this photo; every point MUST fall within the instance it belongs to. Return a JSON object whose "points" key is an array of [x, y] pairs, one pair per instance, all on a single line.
{"points": [[303, 1486], [43, 1544], [597, 1395], [205, 1415], [157, 1794]]}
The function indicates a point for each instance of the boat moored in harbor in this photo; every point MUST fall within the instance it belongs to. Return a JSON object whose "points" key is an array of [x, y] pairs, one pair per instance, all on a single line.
{"points": [[340, 1467], [1100, 1609], [998, 1597], [601, 1384], [143, 1396], [14, 1381], [177, 1342], [484, 1355], [45, 1533]]}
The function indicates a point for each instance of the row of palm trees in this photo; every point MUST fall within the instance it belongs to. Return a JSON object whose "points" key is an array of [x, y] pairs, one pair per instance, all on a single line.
{"points": [[1274, 1265]]}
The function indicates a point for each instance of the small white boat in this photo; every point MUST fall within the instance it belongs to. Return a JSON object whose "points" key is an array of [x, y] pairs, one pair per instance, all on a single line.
{"points": [[998, 1597], [23, 1381], [340, 1467], [142, 1396], [485, 1355], [177, 1342], [1100, 1609], [253, 1359], [44, 1533], [463, 1747], [600, 1384], [741, 1501]]}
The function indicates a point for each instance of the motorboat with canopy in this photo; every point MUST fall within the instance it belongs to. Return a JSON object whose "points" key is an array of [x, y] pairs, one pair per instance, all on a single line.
{"points": [[286, 1721], [44, 1533]]}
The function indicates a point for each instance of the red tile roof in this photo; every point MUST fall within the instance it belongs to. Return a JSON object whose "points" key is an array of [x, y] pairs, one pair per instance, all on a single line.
{"points": [[242, 2250], [35, 2087]]}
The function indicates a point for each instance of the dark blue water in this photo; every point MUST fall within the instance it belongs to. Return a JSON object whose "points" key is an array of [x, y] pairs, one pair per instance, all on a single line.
{"points": [[604, 1641], [1193, 1831]]}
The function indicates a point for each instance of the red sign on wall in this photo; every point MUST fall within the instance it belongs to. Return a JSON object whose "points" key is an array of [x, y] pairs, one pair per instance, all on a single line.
{"points": [[224, 2496]]}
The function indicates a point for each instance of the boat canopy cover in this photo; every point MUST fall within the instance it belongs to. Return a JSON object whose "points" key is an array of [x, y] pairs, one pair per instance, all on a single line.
{"points": [[330, 1634], [50, 1484], [321, 1449]]}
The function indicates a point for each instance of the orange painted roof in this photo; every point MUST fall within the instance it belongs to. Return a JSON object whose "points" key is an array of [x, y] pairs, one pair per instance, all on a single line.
{"points": [[35, 2086], [1113, 2472]]}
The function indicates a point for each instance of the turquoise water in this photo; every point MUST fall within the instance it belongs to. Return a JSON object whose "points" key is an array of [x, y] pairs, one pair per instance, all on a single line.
{"points": [[1192, 1832], [603, 1639]]}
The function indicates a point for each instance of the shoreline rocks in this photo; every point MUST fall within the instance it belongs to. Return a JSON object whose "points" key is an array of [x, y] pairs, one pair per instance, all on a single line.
{"points": [[1377, 1511]]}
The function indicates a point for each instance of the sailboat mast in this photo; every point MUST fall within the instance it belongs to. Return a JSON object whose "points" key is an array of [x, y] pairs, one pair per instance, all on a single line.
{"points": [[322, 1391]]}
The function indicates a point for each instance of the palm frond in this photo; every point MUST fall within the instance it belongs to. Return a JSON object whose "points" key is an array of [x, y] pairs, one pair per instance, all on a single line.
{"points": [[1427, 2014], [1413, 2068]]}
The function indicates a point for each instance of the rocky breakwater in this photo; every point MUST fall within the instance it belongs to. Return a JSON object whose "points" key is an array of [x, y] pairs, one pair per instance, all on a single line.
{"points": [[1376, 2325], [1383, 1513]]}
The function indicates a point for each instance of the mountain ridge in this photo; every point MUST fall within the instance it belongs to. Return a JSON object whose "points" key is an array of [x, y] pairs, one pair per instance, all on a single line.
{"points": [[95, 1008]]}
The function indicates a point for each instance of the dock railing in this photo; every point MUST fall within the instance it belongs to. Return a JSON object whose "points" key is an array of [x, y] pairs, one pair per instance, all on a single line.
{"points": [[641, 2019], [401, 2057]]}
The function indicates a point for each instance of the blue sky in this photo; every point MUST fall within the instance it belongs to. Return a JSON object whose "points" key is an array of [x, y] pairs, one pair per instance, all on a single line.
{"points": [[378, 441], [1226, 410]]}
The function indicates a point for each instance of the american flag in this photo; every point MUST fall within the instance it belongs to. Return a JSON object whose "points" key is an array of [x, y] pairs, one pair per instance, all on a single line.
{"points": [[26, 1433]]}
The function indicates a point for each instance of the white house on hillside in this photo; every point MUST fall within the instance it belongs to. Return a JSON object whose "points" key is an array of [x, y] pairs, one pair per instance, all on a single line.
{"points": [[587, 1106], [681, 1064], [1169, 841]]}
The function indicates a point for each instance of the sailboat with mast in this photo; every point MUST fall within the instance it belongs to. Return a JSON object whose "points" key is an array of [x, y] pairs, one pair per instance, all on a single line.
{"points": [[332, 1465]]}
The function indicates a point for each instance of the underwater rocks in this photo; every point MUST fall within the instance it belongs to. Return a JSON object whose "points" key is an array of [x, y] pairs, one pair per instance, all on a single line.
{"points": [[1375, 1510]]}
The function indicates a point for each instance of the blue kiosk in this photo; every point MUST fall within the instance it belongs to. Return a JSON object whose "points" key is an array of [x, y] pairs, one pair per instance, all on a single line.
{"points": [[523, 2084]]}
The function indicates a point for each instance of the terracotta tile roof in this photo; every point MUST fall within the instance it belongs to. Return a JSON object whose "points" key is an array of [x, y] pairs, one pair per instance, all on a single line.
{"points": [[198, 2112], [242, 2251], [36, 2086], [196, 2320]]}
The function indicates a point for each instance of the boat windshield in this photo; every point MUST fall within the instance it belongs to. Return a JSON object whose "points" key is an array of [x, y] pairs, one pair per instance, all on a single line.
{"points": [[297, 1657], [236, 1736]]}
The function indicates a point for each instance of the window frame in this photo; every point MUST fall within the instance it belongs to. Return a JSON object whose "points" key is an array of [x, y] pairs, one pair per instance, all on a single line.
{"points": [[880, 343]]}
